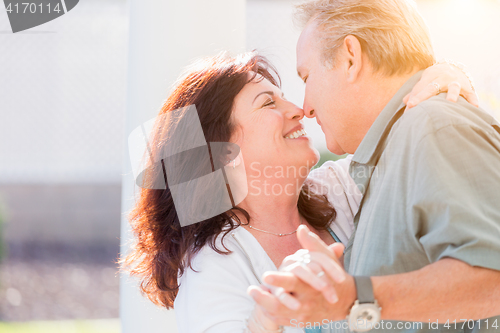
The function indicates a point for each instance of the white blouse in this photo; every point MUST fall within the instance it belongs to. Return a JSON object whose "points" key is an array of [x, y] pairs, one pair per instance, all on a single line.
{"points": [[214, 299]]}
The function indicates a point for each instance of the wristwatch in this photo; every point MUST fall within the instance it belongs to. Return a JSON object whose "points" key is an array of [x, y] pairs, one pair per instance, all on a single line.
{"points": [[365, 313]]}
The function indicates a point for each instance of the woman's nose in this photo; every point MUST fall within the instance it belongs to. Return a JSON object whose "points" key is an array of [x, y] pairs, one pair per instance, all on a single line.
{"points": [[294, 112]]}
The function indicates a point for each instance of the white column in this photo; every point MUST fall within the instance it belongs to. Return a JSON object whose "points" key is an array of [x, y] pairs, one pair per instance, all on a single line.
{"points": [[165, 36]]}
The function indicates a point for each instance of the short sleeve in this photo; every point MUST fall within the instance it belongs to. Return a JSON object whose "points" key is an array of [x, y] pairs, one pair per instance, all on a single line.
{"points": [[455, 194], [333, 180]]}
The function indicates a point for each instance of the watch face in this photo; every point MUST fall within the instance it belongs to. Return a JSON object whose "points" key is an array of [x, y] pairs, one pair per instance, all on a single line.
{"points": [[364, 317]]}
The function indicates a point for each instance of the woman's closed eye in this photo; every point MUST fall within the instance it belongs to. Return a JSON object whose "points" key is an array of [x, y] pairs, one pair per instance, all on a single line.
{"points": [[269, 102]]}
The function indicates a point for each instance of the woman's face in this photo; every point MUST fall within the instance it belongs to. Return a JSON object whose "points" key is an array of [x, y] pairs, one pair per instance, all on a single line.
{"points": [[270, 132]]}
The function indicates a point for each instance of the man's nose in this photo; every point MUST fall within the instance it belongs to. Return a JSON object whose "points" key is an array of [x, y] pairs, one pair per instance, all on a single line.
{"points": [[308, 110]]}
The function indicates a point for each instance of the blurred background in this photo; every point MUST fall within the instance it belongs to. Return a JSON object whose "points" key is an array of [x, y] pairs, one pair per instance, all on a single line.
{"points": [[63, 101]]}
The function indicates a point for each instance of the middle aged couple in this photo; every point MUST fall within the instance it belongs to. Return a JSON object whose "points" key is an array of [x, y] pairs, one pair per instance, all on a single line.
{"points": [[405, 230]]}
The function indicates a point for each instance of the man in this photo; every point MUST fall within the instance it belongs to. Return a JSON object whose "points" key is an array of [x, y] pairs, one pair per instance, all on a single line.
{"points": [[428, 230]]}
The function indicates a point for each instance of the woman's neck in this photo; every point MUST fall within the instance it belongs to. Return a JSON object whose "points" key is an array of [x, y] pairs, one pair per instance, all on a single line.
{"points": [[275, 214], [273, 193]]}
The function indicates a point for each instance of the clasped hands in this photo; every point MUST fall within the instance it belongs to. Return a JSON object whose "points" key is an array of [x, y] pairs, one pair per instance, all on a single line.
{"points": [[311, 285]]}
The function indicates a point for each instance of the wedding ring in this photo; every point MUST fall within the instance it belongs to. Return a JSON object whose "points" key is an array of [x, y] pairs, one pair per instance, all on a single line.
{"points": [[437, 86], [320, 274]]}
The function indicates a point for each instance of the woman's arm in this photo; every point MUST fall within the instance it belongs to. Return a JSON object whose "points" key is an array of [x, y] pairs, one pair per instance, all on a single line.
{"points": [[449, 77], [213, 297]]}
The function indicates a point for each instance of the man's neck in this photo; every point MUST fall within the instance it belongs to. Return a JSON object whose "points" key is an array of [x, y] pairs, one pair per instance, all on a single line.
{"points": [[379, 92]]}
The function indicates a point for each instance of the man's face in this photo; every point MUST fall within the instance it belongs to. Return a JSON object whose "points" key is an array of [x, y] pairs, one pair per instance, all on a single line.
{"points": [[327, 94]]}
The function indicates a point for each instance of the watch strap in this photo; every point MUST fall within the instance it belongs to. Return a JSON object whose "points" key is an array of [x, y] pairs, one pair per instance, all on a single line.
{"points": [[364, 289]]}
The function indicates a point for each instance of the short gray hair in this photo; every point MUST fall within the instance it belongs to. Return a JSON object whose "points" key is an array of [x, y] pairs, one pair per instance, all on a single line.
{"points": [[391, 32]]}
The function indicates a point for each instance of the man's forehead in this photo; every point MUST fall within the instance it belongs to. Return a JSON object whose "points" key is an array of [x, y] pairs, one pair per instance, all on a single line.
{"points": [[305, 45], [309, 33]]}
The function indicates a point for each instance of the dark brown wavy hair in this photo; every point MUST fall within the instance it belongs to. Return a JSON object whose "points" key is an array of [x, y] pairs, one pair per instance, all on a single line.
{"points": [[163, 249]]}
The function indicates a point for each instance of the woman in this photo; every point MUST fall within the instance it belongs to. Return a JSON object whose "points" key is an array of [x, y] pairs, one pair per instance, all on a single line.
{"points": [[203, 269]]}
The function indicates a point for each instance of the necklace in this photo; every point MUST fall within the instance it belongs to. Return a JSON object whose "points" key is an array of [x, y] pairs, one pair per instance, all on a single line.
{"points": [[276, 234]]}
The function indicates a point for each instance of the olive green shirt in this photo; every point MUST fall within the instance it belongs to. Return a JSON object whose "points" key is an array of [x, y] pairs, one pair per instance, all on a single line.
{"points": [[431, 182]]}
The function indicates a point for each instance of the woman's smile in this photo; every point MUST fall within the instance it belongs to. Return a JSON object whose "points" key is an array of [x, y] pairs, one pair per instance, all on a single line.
{"points": [[296, 132]]}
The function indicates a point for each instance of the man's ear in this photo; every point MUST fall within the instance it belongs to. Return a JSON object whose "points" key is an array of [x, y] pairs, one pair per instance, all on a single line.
{"points": [[353, 57]]}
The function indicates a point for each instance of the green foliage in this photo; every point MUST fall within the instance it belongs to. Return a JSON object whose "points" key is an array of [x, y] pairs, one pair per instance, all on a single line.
{"points": [[63, 326], [328, 156]]}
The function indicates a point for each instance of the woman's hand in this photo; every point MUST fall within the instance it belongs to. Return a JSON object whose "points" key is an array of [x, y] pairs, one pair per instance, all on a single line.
{"points": [[259, 321], [326, 293], [448, 78]]}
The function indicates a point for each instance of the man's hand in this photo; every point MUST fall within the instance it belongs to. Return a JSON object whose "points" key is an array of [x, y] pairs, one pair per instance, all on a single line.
{"points": [[301, 293]]}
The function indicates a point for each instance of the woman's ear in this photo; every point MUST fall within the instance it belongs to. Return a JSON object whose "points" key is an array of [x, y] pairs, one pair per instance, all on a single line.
{"points": [[237, 135]]}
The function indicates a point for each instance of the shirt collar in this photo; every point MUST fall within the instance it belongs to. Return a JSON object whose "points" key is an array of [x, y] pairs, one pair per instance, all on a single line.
{"points": [[367, 151]]}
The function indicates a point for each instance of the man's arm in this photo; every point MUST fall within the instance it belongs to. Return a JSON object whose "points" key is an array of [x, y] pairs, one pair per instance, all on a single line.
{"points": [[448, 289], [454, 205]]}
